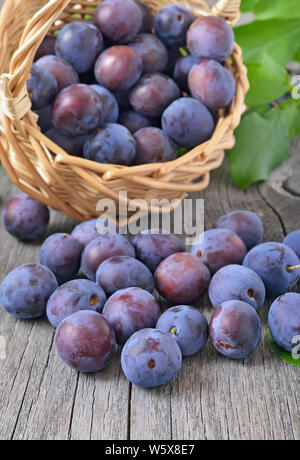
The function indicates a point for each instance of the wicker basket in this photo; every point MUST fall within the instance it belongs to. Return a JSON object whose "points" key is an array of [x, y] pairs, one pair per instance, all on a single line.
{"points": [[74, 185]]}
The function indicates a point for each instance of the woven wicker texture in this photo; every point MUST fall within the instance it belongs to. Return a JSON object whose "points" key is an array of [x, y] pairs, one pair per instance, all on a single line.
{"points": [[74, 185]]}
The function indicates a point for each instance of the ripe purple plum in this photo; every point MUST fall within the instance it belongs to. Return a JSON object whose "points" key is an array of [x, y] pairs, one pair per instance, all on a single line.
{"points": [[181, 70], [129, 310], [150, 358], [171, 24], [77, 110], [74, 296], [79, 43], [120, 272], [44, 118], [212, 84], [73, 145], [272, 262], [153, 247], [110, 108], [219, 247], [182, 278], [284, 320], [61, 253], [119, 20], [134, 121], [246, 224], [42, 87], [61, 70], [152, 51], [102, 248], [187, 326], [118, 68], [25, 291], [147, 18], [153, 93], [210, 37], [188, 122], [85, 341], [91, 229], [46, 47], [153, 146], [25, 218], [236, 282], [293, 241], [111, 143], [235, 329]]}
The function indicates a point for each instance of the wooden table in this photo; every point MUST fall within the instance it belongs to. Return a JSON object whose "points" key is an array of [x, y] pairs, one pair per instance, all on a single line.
{"points": [[211, 398]]}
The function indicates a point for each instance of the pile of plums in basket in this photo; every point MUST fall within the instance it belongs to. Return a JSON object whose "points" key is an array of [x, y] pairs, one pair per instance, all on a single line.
{"points": [[130, 88], [115, 303]]}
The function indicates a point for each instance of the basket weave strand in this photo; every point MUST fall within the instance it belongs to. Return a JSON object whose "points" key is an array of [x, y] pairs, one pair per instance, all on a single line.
{"points": [[75, 185]]}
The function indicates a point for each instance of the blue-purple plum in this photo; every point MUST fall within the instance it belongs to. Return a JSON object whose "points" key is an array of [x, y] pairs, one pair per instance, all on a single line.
{"points": [[271, 261], [181, 70], [110, 108], [187, 326], [129, 310], [77, 110], [153, 93], [118, 68], [219, 247], [153, 247], [44, 118], [25, 291], [246, 224], [235, 329], [102, 248], [212, 84], [120, 272], [46, 47], [188, 122], [73, 145], [61, 70], [153, 146], [210, 37], [236, 282], [182, 278], [293, 241], [74, 296], [171, 24], [79, 43], [284, 320], [119, 20], [61, 253], [89, 230], [152, 51], [25, 218], [150, 358], [42, 87], [111, 143], [134, 121], [147, 18], [85, 341]]}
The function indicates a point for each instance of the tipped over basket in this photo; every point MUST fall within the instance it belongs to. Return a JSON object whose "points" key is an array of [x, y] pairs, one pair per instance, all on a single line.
{"points": [[74, 185]]}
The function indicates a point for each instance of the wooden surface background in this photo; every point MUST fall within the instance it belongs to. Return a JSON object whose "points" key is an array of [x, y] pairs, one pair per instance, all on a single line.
{"points": [[211, 398]]}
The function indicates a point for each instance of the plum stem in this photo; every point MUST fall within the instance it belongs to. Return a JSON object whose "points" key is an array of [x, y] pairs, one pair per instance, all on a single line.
{"points": [[291, 268]]}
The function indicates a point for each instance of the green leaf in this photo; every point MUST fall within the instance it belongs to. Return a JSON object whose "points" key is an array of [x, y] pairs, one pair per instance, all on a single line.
{"points": [[285, 355], [291, 107], [297, 55], [277, 37], [247, 5], [268, 81], [262, 143], [267, 9]]}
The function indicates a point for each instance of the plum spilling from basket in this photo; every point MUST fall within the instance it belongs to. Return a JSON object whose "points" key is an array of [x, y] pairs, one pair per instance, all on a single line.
{"points": [[119, 303], [130, 87]]}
